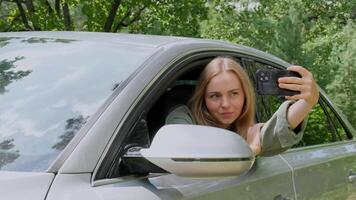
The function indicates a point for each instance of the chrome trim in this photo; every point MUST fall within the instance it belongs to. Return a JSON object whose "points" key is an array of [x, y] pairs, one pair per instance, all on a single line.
{"points": [[211, 159], [122, 179]]}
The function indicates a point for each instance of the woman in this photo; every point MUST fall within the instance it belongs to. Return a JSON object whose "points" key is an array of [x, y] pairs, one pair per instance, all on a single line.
{"points": [[224, 98]]}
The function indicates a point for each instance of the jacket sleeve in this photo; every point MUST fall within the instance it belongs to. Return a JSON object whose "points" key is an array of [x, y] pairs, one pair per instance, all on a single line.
{"points": [[276, 135], [180, 115]]}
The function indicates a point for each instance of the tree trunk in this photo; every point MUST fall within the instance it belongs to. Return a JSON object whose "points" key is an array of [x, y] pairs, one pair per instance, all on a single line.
{"points": [[23, 15], [135, 17], [121, 23], [66, 17], [30, 7], [57, 7], [110, 20], [48, 6], [31, 10]]}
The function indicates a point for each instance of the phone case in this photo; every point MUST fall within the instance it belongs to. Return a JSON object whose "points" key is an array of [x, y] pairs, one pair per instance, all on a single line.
{"points": [[267, 82]]}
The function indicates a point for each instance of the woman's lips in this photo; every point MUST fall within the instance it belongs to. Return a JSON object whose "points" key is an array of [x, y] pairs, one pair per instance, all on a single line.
{"points": [[227, 114]]}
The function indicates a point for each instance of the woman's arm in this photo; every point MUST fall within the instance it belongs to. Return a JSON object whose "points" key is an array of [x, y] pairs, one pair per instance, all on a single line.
{"points": [[308, 97], [279, 133]]}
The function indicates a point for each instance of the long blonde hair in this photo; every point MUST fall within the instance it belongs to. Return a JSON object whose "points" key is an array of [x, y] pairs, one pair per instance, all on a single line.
{"points": [[197, 102]]}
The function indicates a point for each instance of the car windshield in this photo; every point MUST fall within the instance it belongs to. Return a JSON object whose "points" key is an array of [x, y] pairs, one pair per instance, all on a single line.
{"points": [[48, 90]]}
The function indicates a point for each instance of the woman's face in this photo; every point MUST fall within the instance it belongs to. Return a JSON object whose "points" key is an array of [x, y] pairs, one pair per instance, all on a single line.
{"points": [[224, 98]]}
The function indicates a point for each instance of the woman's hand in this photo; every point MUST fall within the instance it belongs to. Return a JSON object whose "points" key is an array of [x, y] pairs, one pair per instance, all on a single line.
{"points": [[308, 97], [306, 85], [254, 138]]}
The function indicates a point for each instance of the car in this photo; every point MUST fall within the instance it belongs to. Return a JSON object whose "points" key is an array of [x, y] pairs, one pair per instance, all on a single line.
{"points": [[82, 116]]}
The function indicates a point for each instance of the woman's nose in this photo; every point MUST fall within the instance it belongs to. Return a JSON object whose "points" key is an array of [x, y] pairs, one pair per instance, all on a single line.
{"points": [[225, 102]]}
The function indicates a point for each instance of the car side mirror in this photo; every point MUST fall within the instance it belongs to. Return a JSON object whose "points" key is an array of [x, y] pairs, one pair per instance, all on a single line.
{"points": [[199, 151]]}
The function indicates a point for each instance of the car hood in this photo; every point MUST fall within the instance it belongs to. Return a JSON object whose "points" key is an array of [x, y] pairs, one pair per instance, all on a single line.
{"points": [[24, 185]]}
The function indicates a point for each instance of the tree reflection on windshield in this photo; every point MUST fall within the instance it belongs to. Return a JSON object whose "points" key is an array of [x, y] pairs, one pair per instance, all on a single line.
{"points": [[6, 154], [8, 74], [45, 40], [5, 40], [72, 127], [47, 92]]}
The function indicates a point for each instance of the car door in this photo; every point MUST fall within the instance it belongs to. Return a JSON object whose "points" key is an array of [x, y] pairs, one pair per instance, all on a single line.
{"points": [[324, 162], [325, 170], [270, 178]]}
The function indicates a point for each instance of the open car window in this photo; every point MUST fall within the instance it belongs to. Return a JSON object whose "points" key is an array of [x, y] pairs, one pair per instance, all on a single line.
{"points": [[323, 126]]}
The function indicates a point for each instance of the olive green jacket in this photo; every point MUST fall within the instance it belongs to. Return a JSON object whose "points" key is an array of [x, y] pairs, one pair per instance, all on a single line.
{"points": [[276, 135]]}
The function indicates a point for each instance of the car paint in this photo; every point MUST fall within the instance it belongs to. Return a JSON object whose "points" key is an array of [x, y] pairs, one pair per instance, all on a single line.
{"points": [[331, 163], [281, 176], [25, 185], [279, 183]]}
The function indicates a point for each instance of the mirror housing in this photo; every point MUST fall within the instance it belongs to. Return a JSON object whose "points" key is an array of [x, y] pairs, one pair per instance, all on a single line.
{"points": [[199, 151]]}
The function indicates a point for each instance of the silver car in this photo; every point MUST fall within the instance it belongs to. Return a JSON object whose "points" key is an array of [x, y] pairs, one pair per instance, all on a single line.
{"points": [[82, 117]]}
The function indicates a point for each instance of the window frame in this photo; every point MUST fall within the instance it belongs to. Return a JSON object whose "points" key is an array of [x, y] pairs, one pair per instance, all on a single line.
{"points": [[161, 83]]}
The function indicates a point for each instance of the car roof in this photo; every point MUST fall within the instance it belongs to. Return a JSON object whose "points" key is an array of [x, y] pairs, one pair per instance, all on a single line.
{"points": [[141, 40], [113, 38]]}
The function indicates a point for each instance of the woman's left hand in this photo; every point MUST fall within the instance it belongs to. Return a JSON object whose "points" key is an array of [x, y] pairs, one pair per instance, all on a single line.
{"points": [[254, 138], [306, 85]]}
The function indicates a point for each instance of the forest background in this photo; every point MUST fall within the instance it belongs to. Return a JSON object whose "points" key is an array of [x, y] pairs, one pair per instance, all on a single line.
{"points": [[317, 34]]}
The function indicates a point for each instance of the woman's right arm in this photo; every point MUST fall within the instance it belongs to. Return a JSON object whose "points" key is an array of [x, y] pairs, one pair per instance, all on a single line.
{"points": [[286, 126], [277, 135]]}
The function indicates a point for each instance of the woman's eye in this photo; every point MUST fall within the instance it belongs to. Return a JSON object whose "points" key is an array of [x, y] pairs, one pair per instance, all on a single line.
{"points": [[234, 94], [214, 96]]}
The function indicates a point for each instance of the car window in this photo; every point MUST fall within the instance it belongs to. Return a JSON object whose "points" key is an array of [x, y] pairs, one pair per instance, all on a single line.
{"points": [[322, 127], [266, 105], [175, 89], [48, 90]]}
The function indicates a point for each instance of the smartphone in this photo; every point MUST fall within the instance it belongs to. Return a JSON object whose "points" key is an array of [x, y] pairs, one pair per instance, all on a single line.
{"points": [[267, 82]]}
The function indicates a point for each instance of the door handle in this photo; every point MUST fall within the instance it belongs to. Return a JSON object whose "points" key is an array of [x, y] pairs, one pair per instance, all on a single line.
{"points": [[281, 197], [352, 177]]}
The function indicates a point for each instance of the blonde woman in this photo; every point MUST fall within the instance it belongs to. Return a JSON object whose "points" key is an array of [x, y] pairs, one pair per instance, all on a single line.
{"points": [[224, 98]]}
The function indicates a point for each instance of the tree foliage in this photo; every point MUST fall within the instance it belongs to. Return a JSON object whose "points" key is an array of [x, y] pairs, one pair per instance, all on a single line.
{"points": [[343, 57], [299, 31], [144, 16], [319, 35]]}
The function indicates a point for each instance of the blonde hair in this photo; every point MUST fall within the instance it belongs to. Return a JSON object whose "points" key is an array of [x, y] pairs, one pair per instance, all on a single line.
{"points": [[197, 102]]}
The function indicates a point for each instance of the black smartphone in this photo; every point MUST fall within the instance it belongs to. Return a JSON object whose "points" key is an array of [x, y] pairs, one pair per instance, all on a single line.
{"points": [[267, 82]]}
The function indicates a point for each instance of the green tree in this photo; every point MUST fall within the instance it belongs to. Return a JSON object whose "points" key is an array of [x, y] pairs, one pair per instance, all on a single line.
{"points": [[170, 17], [308, 33], [300, 31], [145, 16], [35, 15], [343, 57]]}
